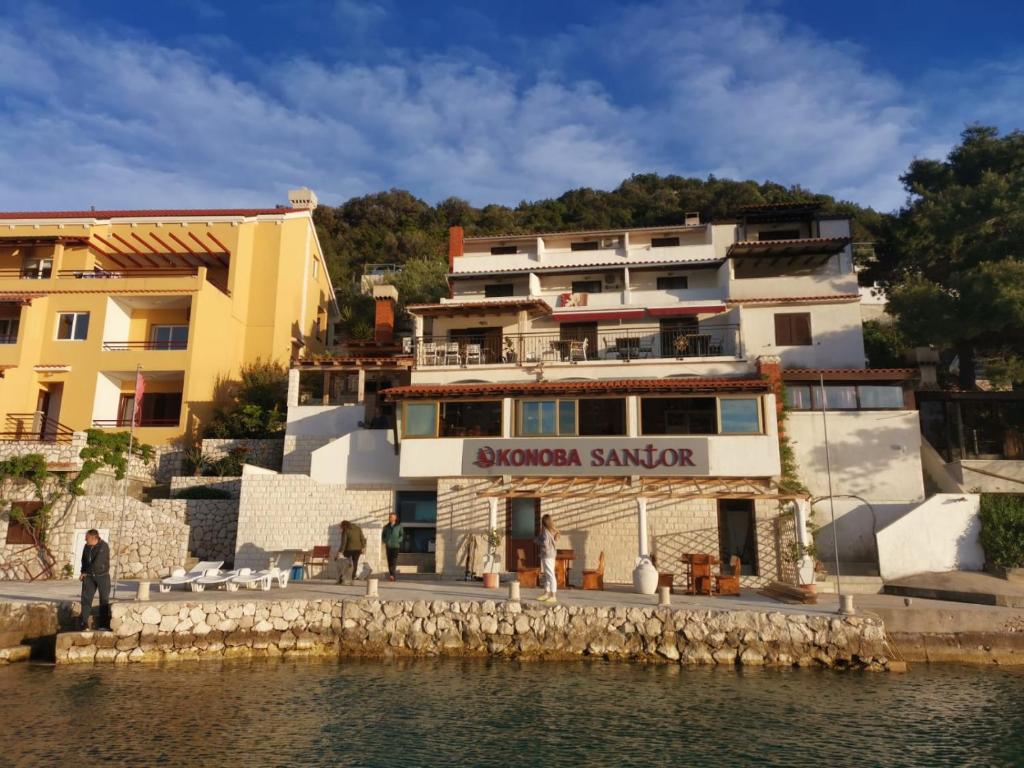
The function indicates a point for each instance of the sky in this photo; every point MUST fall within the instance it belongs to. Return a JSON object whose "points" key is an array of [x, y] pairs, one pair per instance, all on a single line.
{"points": [[196, 103]]}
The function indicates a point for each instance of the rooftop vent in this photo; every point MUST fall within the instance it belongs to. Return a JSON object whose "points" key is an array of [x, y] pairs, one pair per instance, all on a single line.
{"points": [[303, 197], [691, 218]]}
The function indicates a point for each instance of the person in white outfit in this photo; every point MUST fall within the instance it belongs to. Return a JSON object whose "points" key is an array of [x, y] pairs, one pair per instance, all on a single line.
{"points": [[547, 544]]}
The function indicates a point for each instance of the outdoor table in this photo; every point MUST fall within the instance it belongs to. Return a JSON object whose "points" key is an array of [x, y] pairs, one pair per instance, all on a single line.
{"points": [[563, 561]]}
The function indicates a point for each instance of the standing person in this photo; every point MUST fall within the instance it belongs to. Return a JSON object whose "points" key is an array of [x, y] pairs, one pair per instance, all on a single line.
{"points": [[95, 577], [392, 538], [547, 545], [353, 544]]}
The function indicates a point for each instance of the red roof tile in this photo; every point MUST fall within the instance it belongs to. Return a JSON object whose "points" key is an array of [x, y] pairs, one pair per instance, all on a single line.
{"points": [[798, 299], [149, 214], [524, 302], [589, 265], [874, 374], [591, 387]]}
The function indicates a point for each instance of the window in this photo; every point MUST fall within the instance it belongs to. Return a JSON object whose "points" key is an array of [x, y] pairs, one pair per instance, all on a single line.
{"points": [[845, 397], [586, 286], [8, 330], [417, 512], [664, 242], [602, 416], [17, 532], [584, 245], [497, 290], [159, 409], [420, 420], [778, 234], [673, 283], [73, 326], [471, 419], [547, 418], [503, 250], [740, 415], [169, 336], [793, 329], [33, 268], [678, 416]]}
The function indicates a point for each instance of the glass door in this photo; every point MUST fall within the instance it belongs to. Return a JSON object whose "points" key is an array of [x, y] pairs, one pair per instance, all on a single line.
{"points": [[522, 524]]}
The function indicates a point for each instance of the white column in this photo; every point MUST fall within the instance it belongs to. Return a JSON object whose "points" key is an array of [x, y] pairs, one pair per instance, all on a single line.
{"points": [[492, 513], [361, 385], [805, 565], [641, 524]]}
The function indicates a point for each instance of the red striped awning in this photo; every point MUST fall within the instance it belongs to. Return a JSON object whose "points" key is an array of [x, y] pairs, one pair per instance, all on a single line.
{"points": [[710, 309]]}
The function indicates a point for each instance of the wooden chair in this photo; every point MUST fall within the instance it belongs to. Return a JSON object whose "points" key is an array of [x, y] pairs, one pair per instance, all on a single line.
{"points": [[528, 577], [728, 582], [595, 579], [698, 574], [320, 556]]}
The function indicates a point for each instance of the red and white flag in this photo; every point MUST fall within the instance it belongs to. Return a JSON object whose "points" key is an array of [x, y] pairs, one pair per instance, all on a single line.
{"points": [[140, 390]]}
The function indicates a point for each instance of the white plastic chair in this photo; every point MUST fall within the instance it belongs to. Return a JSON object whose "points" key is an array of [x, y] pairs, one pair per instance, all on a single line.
{"points": [[474, 351], [451, 353]]}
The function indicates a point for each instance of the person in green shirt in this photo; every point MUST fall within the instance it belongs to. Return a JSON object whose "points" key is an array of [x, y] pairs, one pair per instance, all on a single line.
{"points": [[392, 538], [353, 544]]}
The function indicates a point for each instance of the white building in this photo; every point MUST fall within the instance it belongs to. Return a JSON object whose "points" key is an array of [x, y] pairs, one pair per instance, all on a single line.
{"points": [[629, 383]]}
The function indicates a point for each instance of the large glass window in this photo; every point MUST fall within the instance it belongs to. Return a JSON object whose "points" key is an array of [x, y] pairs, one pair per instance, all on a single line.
{"points": [[72, 326], [678, 416], [417, 512], [471, 419], [740, 415], [879, 396], [547, 417], [844, 397], [169, 336], [420, 420], [602, 416]]}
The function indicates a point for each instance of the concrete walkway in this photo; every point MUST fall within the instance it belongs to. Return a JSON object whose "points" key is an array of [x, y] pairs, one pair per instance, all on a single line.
{"points": [[975, 587]]}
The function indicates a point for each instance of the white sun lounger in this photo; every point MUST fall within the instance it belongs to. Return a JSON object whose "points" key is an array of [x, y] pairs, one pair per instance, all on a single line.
{"points": [[280, 572], [250, 579], [213, 578], [179, 577]]}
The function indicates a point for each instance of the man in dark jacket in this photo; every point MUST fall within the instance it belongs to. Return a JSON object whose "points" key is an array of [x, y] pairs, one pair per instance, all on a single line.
{"points": [[353, 544], [95, 577]]}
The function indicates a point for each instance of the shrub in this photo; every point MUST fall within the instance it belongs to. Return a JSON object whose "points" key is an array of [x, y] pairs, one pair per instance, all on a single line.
{"points": [[1002, 529], [202, 492]]}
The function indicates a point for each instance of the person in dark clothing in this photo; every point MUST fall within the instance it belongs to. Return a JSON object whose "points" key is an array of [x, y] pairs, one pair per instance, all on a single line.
{"points": [[353, 544], [392, 538], [95, 578]]}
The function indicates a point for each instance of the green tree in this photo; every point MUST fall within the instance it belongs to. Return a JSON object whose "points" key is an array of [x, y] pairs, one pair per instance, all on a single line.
{"points": [[955, 258], [253, 406]]}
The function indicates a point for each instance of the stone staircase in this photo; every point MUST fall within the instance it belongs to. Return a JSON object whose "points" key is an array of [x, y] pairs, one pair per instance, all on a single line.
{"points": [[855, 579]]}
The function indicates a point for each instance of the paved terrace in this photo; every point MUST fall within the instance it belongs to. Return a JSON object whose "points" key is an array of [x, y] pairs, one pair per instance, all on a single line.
{"points": [[921, 615]]}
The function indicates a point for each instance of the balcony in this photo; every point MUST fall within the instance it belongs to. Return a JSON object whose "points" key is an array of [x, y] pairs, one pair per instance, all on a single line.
{"points": [[579, 346], [34, 427], [127, 346]]}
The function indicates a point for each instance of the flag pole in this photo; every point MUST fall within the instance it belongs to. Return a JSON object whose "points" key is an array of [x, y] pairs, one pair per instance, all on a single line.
{"points": [[127, 465]]}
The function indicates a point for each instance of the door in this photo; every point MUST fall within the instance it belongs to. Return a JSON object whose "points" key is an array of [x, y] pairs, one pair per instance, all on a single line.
{"points": [[737, 533], [522, 524], [570, 332]]}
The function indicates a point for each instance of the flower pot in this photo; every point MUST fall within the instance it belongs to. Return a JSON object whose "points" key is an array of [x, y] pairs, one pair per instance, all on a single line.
{"points": [[490, 580], [645, 577]]}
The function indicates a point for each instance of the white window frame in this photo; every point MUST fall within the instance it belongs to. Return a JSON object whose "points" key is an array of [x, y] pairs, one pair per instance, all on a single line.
{"points": [[74, 326]]}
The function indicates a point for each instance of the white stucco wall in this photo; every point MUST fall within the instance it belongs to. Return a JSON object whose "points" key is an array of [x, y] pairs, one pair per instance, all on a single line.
{"points": [[939, 535], [837, 340], [318, 420], [875, 455], [363, 457]]}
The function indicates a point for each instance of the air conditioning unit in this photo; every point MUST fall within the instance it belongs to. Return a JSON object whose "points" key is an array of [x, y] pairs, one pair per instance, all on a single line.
{"points": [[611, 278]]}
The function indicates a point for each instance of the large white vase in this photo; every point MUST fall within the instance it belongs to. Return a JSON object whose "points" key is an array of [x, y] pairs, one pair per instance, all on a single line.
{"points": [[645, 577]]}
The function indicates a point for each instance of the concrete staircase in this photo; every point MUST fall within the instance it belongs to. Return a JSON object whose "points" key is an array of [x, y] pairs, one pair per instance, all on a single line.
{"points": [[855, 579]]}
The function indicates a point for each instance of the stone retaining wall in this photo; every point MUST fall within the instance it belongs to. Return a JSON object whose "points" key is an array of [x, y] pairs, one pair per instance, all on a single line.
{"points": [[212, 525], [232, 485], [65, 453], [261, 453], [370, 627]]}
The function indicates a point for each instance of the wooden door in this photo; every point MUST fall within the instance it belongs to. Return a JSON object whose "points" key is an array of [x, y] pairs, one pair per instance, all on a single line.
{"points": [[522, 524]]}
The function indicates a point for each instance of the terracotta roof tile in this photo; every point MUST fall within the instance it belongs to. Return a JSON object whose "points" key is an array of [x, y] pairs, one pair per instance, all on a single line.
{"points": [[524, 302], [588, 265], [584, 387], [834, 297], [148, 214], [876, 374]]}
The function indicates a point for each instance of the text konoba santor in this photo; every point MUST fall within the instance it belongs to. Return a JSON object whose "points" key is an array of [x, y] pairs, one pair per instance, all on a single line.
{"points": [[648, 457]]}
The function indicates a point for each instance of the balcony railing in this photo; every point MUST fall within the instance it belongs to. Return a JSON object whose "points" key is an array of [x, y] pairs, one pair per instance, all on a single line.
{"points": [[26, 274], [35, 427], [127, 422], [125, 346], [579, 347], [8, 338], [117, 274]]}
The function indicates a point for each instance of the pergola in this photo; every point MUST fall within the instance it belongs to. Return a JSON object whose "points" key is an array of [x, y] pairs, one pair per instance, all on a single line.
{"points": [[357, 364], [150, 250]]}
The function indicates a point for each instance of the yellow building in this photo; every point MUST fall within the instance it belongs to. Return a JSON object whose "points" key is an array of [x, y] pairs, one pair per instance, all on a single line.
{"points": [[190, 295]]}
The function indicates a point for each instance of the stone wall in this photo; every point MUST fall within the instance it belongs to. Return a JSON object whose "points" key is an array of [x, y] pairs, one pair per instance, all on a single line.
{"points": [[370, 627], [261, 453], [232, 485], [212, 525], [591, 526], [298, 450], [153, 542], [65, 454], [286, 512]]}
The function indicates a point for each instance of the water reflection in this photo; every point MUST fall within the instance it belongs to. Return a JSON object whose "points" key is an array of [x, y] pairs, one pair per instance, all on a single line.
{"points": [[482, 713]]}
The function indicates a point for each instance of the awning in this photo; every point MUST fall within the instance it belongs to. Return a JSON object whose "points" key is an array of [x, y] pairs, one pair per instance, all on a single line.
{"points": [[534, 305], [805, 246], [848, 374], [598, 314]]}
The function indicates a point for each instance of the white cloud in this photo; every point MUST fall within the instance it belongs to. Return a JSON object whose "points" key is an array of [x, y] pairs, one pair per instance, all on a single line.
{"points": [[90, 118]]}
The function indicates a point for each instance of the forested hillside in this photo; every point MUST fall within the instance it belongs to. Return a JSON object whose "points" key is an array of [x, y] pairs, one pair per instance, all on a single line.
{"points": [[397, 227]]}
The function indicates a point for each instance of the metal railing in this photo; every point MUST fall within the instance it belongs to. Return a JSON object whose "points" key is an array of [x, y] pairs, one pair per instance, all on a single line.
{"points": [[35, 427], [578, 346], [124, 346], [126, 423], [23, 273], [8, 338], [117, 274]]}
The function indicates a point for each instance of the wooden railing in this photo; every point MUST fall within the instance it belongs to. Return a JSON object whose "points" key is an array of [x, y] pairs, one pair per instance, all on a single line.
{"points": [[35, 427], [126, 423]]}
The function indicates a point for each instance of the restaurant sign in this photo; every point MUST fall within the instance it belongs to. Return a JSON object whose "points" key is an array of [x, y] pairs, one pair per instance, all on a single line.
{"points": [[590, 457]]}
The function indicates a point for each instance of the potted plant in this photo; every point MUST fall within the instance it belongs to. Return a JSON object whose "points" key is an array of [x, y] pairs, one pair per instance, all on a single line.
{"points": [[492, 563]]}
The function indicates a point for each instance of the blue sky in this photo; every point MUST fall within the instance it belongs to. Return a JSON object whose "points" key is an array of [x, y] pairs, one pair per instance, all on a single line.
{"points": [[185, 103]]}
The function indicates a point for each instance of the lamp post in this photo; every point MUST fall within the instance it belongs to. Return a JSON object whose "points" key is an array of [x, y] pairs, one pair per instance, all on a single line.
{"points": [[845, 602]]}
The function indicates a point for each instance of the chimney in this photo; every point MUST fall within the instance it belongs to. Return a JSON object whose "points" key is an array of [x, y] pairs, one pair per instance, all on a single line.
{"points": [[384, 299], [303, 197], [691, 219], [455, 246], [927, 360], [769, 367]]}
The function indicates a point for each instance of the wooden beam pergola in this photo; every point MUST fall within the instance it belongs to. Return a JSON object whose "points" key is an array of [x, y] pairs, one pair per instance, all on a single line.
{"points": [[678, 488]]}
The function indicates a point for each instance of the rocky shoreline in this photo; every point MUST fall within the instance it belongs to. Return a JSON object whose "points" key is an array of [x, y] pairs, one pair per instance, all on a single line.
{"points": [[368, 627]]}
